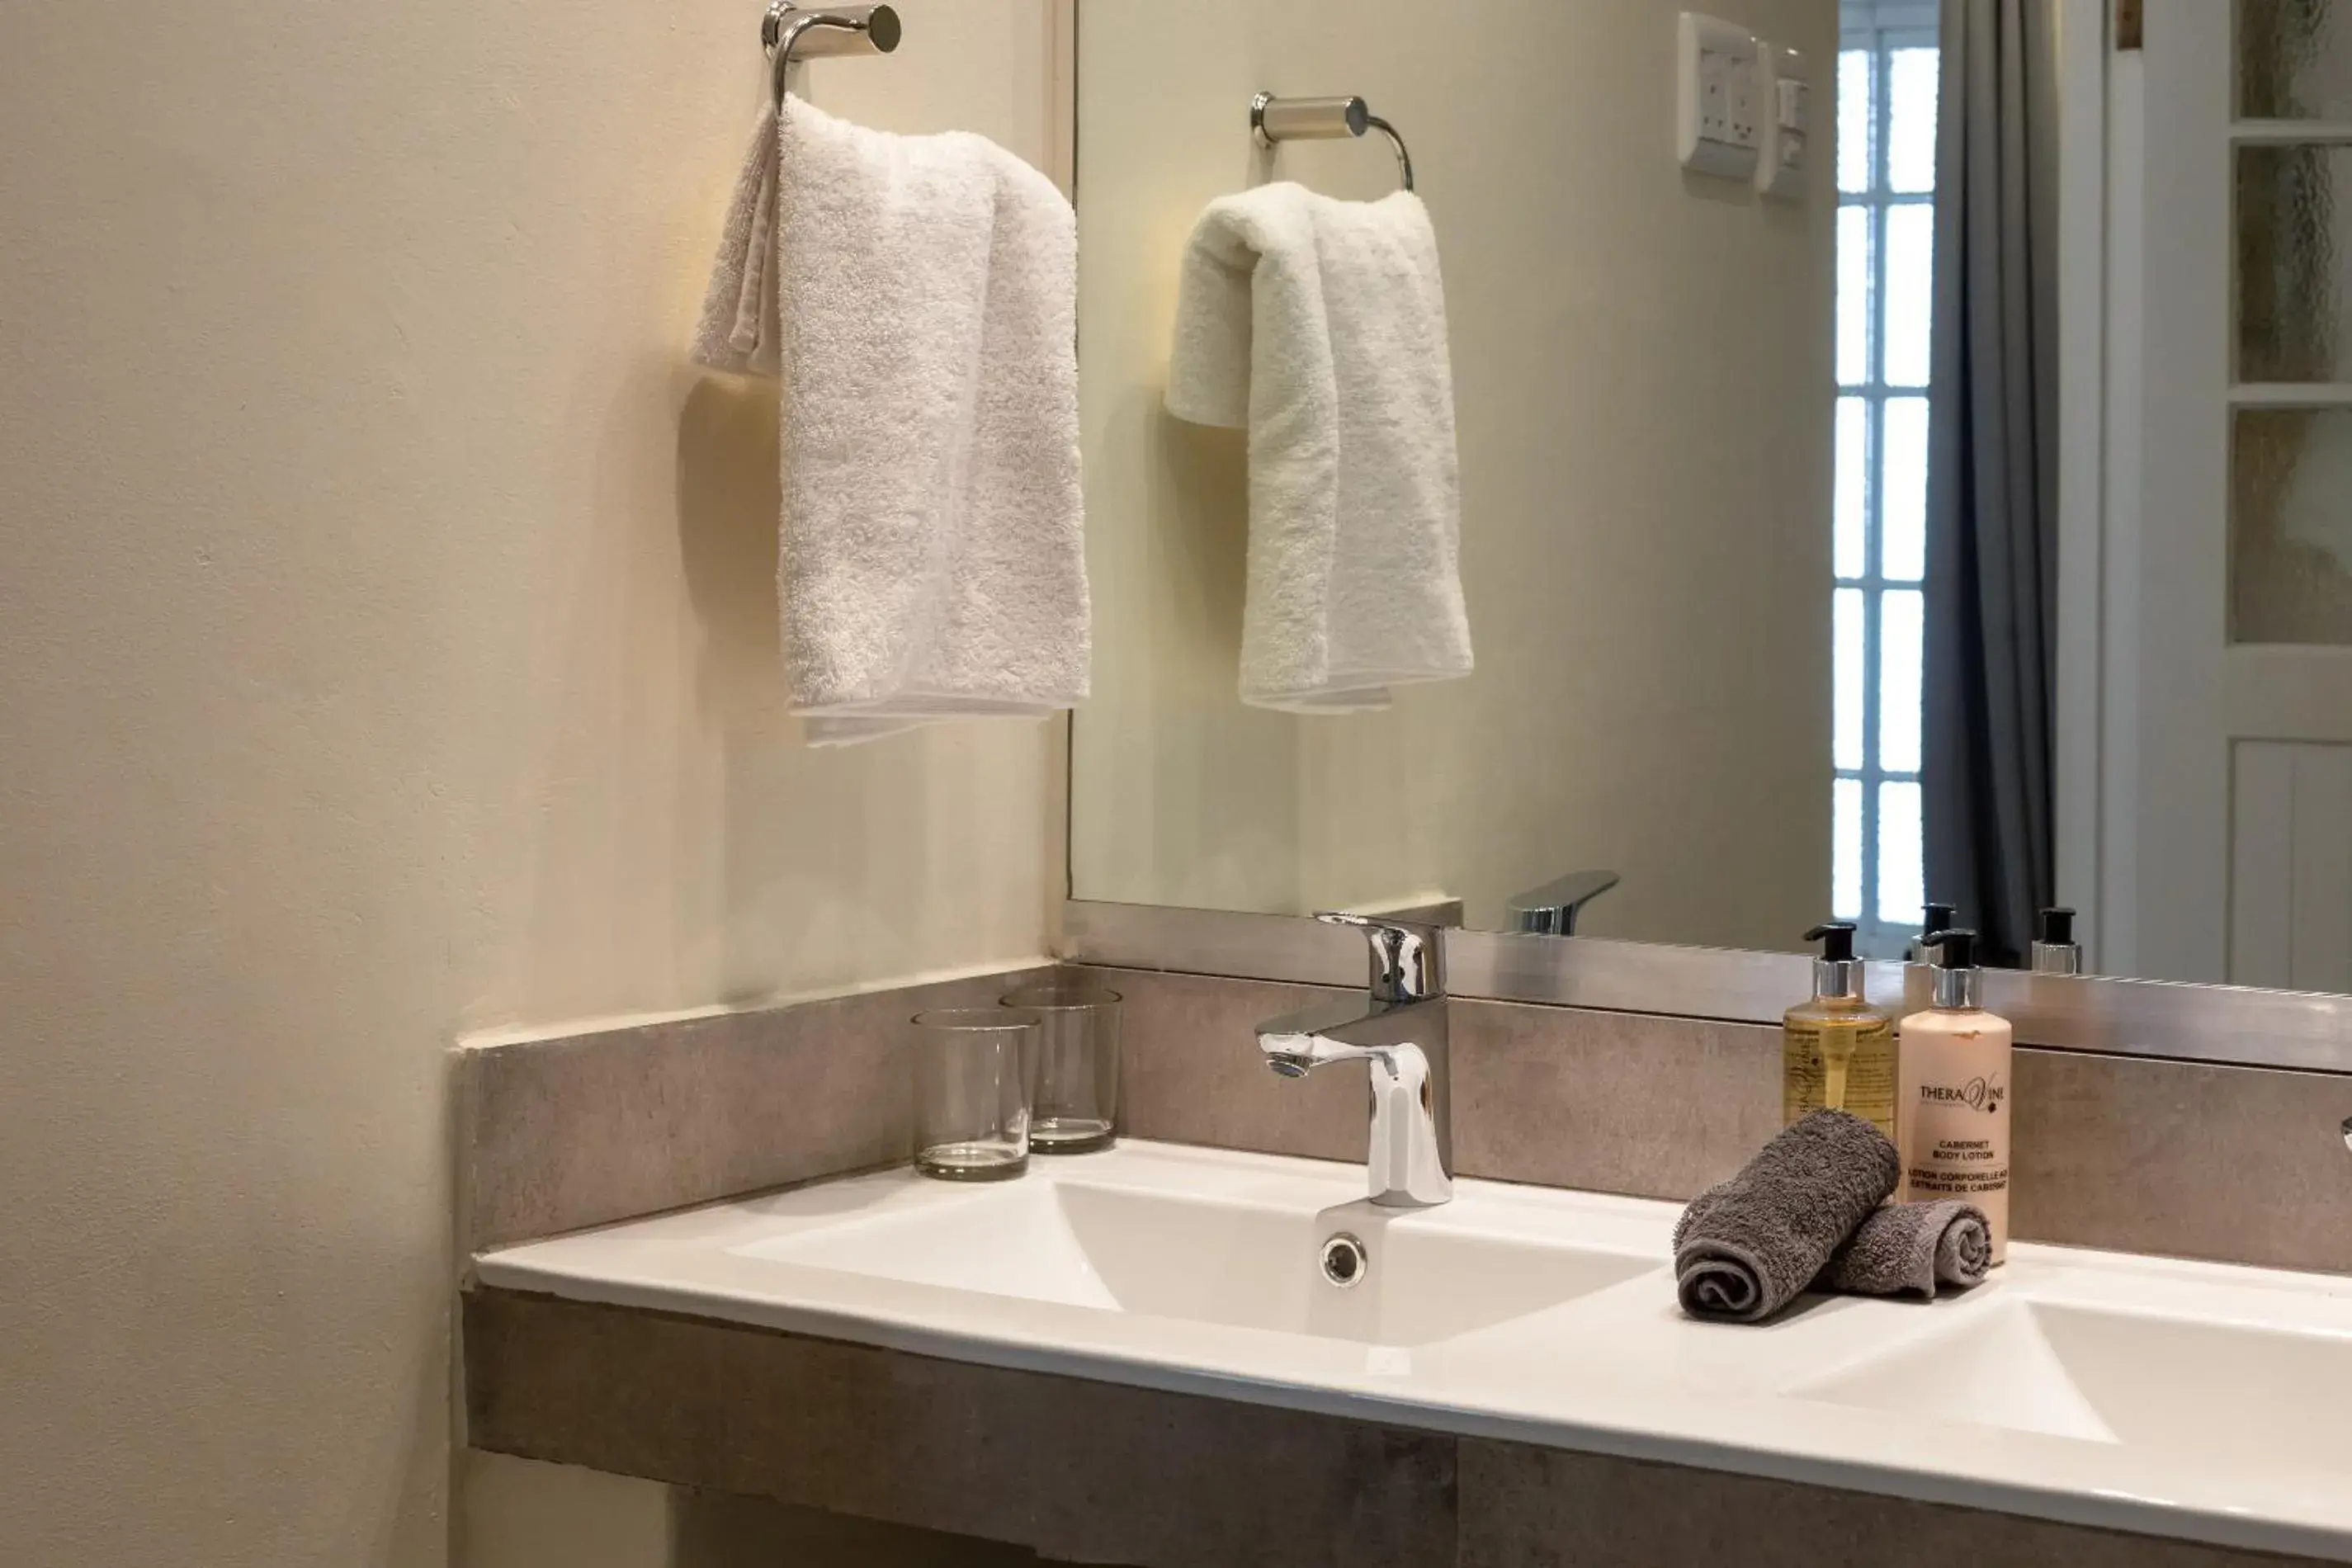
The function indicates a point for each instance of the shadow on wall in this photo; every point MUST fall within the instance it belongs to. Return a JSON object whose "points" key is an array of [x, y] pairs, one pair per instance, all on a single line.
{"points": [[711, 1530], [1197, 579], [825, 866], [1200, 534], [728, 500]]}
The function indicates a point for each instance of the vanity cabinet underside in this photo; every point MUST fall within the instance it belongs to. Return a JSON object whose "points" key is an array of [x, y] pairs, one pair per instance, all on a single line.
{"points": [[1086, 1471]]}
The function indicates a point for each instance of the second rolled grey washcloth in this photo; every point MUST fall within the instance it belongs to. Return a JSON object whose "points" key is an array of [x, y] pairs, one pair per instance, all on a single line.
{"points": [[1746, 1247], [1907, 1249]]}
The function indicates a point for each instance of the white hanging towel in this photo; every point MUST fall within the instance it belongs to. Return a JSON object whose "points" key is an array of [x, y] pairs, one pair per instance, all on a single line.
{"points": [[917, 296], [1319, 325]]}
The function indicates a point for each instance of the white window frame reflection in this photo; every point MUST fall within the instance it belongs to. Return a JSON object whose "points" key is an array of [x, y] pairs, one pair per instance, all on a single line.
{"points": [[1868, 893]]}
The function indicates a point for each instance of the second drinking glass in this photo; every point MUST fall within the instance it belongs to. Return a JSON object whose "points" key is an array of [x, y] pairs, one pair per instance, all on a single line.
{"points": [[1073, 1070]]}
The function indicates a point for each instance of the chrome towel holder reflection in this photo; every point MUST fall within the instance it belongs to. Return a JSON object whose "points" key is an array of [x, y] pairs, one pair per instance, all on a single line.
{"points": [[1274, 120], [789, 33]]}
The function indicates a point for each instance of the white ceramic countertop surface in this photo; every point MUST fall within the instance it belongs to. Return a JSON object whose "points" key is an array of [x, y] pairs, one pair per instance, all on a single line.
{"points": [[2192, 1399]]}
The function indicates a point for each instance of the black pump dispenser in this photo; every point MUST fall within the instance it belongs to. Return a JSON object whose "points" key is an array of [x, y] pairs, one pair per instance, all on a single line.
{"points": [[2055, 948], [1959, 982], [1940, 918], [1836, 973], [1836, 938]]}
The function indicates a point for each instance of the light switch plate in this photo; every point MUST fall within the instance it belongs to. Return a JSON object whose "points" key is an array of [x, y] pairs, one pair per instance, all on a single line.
{"points": [[1787, 146], [1719, 98]]}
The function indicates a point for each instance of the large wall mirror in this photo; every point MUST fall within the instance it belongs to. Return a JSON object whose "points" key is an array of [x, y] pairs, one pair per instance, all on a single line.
{"points": [[1961, 510]]}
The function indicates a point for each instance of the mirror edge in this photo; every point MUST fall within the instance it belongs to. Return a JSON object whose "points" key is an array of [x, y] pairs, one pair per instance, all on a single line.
{"points": [[2228, 1025]]}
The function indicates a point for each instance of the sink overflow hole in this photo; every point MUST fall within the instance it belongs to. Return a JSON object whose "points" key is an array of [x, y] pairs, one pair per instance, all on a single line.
{"points": [[1344, 1261]]}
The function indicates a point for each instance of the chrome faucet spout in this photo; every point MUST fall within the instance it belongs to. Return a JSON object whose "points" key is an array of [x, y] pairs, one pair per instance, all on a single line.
{"points": [[1398, 1031]]}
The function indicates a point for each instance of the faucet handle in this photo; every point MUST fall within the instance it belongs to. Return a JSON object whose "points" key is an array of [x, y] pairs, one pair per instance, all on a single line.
{"points": [[1408, 962]]}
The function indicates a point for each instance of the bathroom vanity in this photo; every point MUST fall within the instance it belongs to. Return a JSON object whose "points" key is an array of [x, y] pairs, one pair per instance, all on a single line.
{"points": [[1152, 1321], [1156, 1356]]}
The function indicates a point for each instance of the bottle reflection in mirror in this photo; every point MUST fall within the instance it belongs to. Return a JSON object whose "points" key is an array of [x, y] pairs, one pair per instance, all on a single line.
{"points": [[1940, 918], [2056, 952]]}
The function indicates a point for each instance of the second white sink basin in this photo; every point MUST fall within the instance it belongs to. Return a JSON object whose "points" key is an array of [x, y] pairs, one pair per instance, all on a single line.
{"points": [[1249, 1264], [2224, 1393]]}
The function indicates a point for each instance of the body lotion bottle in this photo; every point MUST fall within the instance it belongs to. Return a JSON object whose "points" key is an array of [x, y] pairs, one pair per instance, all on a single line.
{"points": [[1954, 1102]]}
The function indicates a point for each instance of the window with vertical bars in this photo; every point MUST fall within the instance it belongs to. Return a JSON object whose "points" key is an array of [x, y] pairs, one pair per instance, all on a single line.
{"points": [[1886, 81]]}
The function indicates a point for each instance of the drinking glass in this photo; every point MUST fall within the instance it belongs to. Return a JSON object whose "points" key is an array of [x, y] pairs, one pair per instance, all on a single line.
{"points": [[971, 1101]]}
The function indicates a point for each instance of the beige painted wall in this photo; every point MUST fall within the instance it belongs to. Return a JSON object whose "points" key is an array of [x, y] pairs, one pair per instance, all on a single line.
{"points": [[1643, 385], [386, 650]]}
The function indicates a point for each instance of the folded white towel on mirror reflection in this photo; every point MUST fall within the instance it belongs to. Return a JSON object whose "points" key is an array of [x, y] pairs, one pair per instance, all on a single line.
{"points": [[1320, 326], [917, 296]]}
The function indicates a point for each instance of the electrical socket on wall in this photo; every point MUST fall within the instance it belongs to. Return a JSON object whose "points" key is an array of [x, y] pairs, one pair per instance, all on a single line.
{"points": [[1718, 97]]}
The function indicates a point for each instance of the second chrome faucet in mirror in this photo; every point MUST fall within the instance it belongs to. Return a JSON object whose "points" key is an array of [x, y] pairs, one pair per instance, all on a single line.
{"points": [[1399, 1030]]}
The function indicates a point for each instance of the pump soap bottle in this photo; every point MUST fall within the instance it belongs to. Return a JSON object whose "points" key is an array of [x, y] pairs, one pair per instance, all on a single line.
{"points": [[1837, 1050], [1954, 1074], [1918, 981], [1940, 918], [2055, 951]]}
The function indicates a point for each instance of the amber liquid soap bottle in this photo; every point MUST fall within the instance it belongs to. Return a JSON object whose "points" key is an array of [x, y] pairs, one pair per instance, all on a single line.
{"points": [[1836, 1049], [1955, 1097]]}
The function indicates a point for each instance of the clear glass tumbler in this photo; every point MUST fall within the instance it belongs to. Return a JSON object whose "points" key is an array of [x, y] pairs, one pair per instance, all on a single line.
{"points": [[1074, 1072], [971, 1099]]}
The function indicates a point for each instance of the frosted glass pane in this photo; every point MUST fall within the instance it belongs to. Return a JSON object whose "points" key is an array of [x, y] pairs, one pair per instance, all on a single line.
{"points": [[2291, 526], [1911, 121], [1852, 296], [1901, 624], [1845, 854], [1902, 858], [1852, 485], [1854, 120], [2292, 281], [1845, 644], [1903, 490], [2295, 60], [1910, 294]]}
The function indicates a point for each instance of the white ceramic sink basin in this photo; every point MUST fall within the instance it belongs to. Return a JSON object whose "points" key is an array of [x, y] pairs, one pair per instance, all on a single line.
{"points": [[1248, 1264], [2216, 1393], [2178, 1399]]}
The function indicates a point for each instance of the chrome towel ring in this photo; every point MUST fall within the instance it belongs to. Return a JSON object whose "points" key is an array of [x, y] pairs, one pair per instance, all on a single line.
{"points": [[789, 33], [1274, 120]]}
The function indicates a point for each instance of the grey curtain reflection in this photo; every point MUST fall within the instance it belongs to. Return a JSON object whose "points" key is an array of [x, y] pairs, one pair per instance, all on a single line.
{"points": [[1992, 457]]}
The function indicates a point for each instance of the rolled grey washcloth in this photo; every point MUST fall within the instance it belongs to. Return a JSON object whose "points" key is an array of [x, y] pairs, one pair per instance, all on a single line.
{"points": [[1905, 1249], [1744, 1248]]}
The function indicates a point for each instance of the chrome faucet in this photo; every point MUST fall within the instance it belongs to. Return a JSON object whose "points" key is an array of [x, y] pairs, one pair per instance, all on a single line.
{"points": [[1551, 910], [1399, 1030]]}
